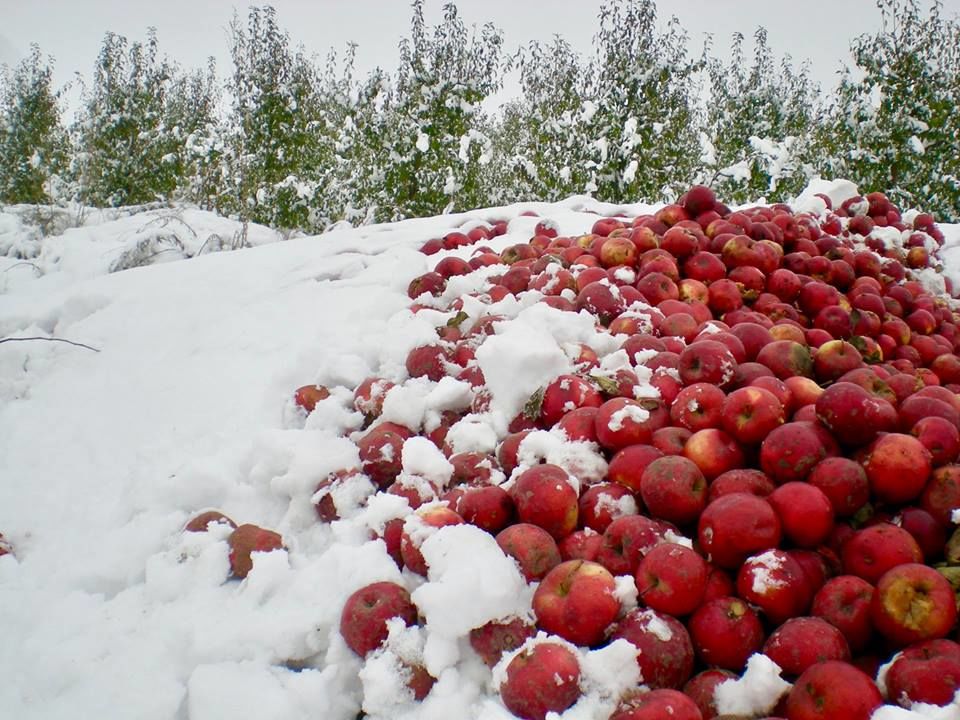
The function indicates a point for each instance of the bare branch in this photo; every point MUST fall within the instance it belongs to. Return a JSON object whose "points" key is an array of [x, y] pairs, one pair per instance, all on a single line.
{"points": [[48, 339]]}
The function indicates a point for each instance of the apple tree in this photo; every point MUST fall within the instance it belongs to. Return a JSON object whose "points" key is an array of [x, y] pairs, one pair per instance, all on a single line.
{"points": [[758, 123], [33, 147], [277, 147], [643, 132], [127, 153], [429, 146], [895, 127], [542, 138]]}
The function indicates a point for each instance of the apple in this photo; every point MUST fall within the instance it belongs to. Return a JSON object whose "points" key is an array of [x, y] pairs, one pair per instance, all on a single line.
{"points": [[706, 361], [245, 540], [576, 600], [665, 652], [381, 451], [622, 422], [545, 496], [844, 602], [874, 550], [670, 440], [725, 632], [492, 640], [308, 396], [844, 482], [804, 641], [581, 545], [626, 540], [602, 503], [833, 689], [942, 494], [627, 465], [488, 507], [786, 358], [431, 516], [701, 689], [853, 415], [913, 603], [566, 393], [363, 622], [735, 526], [792, 450], [674, 489], [898, 467], [774, 582], [940, 437], [927, 672], [698, 406], [656, 704], [714, 452], [805, 512], [541, 679], [745, 480], [533, 548], [201, 522], [749, 414], [672, 579]]}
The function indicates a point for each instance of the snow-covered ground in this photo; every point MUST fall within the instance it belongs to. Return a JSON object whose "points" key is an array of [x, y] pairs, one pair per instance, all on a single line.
{"points": [[109, 610]]}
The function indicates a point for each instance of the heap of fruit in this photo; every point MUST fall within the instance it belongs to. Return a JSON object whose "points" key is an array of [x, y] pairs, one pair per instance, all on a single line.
{"points": [[778, 458]]}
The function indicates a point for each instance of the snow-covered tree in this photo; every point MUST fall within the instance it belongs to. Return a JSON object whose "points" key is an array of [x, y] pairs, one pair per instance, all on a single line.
{"points": [[427, 126], [128, 153], [33, 146], [277, 140], [758, 124], [897, 128], [542, 142], [193, 119], [645, 140]]}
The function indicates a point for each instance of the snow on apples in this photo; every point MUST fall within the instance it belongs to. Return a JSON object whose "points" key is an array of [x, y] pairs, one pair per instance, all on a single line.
{"points": [[655, 462]]}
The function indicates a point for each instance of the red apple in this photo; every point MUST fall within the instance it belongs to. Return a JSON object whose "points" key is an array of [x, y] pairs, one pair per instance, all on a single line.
{"points": [[576, 601], [804, 641], [248, 539], [844, 602], [541, 679], [665, 652], [725, 632], [674, 489], [544, 496], [912, 603], [532, 547], [672, 579], [736, 526], [363, 622], [832, 690]]}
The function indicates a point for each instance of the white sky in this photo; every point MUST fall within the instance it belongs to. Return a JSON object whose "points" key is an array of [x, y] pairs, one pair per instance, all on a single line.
{"points": [[191, 30]]}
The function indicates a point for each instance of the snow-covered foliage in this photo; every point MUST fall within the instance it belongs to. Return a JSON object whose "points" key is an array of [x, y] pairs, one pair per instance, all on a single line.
{"points": [[32, 142]]}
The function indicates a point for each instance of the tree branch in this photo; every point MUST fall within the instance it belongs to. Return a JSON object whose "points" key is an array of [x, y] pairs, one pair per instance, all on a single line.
{"points": [[48, 339]]}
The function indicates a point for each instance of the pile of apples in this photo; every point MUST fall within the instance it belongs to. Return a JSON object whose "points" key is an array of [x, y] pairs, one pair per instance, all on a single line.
{"points": [[788, 488]]}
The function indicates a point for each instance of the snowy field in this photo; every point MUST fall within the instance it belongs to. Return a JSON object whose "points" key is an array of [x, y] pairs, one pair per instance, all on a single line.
{"points": [[109, 609]]}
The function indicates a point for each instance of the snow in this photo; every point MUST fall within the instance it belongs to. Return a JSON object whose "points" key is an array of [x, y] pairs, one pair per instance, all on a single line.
{"points": [[111, 610], [756, 692]]}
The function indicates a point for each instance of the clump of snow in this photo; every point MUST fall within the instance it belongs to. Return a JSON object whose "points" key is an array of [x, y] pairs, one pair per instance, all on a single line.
{"points": [[471, 582], [920, 711], [582, 460], [625, 591], [756, 692], [633, 413], [421, 457], [837, 190]]}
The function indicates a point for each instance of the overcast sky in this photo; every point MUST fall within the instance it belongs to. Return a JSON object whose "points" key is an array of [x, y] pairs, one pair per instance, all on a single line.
{"points": [[191, 30]]}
